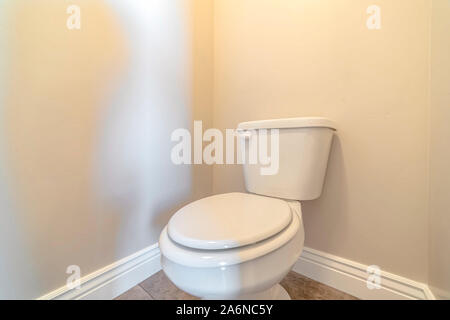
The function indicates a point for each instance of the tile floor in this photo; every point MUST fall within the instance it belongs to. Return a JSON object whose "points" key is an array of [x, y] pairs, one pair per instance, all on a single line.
{"points": [[159, 287]]}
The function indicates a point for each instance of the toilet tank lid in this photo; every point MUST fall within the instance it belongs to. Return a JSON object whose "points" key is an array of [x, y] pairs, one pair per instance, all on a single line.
{"points": [[228, 221], [289, 123]]}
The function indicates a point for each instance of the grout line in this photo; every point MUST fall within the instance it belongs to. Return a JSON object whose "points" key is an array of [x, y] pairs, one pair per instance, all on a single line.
{"points": [[146, 290], [150, 296]]}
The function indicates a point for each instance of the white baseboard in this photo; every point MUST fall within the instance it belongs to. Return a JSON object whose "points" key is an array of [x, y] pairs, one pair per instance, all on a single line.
{"points": [[113, 280], [342, 274], [350, 277]]}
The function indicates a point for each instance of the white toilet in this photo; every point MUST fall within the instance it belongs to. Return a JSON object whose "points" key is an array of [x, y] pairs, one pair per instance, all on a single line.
{"points": [[238, 245]]}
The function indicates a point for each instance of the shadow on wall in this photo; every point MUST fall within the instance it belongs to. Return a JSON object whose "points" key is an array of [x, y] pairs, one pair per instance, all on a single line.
{"points": [[153, 99], [17, 269], [88, 117], [332, 205]]}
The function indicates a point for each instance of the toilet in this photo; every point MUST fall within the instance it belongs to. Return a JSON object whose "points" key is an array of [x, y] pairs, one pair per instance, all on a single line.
{"points": [[239, 246]]}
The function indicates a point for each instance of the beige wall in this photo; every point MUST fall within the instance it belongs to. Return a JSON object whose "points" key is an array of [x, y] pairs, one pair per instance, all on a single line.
{"points": [[317, 58], [439, 273], [85, 131], [202, 19]]}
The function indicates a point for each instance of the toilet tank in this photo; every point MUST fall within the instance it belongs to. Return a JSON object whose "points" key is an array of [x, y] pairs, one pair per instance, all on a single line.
{"points": [[303, 150]]}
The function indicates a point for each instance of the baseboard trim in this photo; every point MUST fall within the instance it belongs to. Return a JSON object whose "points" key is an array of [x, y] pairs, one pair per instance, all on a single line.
{"points": [[113, 280], [342, 274], [350, 277]]}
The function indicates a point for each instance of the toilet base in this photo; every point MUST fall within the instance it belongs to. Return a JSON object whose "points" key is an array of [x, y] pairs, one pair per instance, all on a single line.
{"points": [[277, 292], [282, 293]]}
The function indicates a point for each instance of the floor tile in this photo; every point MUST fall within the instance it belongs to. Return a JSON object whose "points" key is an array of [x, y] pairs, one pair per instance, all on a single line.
{"points": [[135, 293], [302, 288], [161, 288]]}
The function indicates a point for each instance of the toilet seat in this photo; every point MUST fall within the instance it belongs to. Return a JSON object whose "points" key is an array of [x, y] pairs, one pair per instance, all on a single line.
{"points": [[201, 258], [228, 221]]}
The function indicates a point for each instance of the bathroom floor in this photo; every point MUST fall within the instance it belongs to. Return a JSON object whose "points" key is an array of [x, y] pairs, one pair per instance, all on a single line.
{"points": [[159, 287]]}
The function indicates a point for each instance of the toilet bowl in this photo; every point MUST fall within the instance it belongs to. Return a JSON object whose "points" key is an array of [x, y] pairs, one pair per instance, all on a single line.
{"points": [[234, 265], [241, 245]]}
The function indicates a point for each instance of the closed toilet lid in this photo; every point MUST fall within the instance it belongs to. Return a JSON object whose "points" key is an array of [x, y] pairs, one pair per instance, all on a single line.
{"points": [[228, 221]]}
